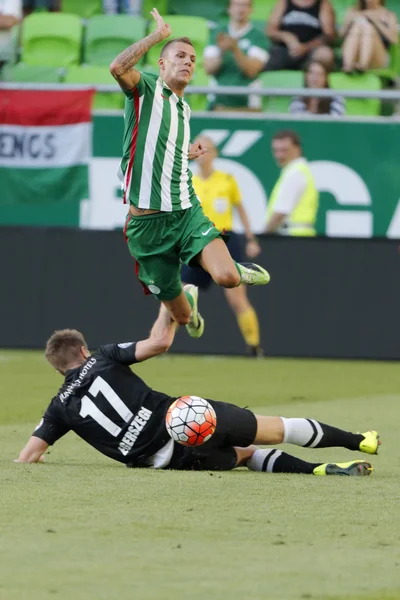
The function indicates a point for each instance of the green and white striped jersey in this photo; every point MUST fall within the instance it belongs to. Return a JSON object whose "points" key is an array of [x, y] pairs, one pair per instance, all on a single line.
{"points": [[154, 165]]}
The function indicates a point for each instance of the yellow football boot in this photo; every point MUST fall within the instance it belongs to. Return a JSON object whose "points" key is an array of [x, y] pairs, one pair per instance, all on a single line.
{"points": [[355, 467], [370, 443]]}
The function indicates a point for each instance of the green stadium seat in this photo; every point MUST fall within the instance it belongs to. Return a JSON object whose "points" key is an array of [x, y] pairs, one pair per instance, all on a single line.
{"points": [[394, 6], [213, 10], [341, 7], [150, 69], [262, 9], [358, 106], [198, 101], [160, 5], [196, 28], [83, 8], [280, 79], [94, 75], [393, 70], [108, 35], [22, 73], [51, 39]]}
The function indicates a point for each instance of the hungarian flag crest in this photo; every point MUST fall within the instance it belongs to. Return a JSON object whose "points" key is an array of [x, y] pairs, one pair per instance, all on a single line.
{"points": [[45, 148]]}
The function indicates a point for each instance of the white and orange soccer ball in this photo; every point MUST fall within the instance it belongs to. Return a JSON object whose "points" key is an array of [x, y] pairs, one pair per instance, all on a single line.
{"points": [[191, 420]]}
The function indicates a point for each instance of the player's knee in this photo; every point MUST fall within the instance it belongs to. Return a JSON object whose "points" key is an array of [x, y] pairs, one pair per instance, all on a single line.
{"points": [[227, 278], [244, 454]]}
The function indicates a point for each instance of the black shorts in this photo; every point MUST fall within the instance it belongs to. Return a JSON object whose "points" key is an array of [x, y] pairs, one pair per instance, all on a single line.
{"points": [[235, 427], [197, 276], [280, 60]]}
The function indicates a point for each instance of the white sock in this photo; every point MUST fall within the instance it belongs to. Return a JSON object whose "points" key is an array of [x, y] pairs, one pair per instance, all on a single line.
{"points": [[263, 459], [302, 432]]}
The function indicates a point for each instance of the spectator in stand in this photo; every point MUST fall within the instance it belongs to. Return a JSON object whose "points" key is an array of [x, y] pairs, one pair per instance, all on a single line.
{"points": [[129, 7], [235, 56], [301, 30], [10, 15], [369, 30], [316, 77], [31, 5]]}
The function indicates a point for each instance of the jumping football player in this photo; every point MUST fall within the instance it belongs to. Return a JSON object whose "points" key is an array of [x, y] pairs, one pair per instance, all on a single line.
{"points": [[166, 225], [112, 409]]}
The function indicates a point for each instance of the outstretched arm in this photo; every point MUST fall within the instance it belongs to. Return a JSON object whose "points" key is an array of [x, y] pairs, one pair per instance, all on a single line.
{"points": [[160, 339], [33, 451], [122, 67]]}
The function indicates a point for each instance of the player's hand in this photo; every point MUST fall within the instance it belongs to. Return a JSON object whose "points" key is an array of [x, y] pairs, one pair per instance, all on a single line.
{"points": [[253, 248], [163, 28], [196, 150]]}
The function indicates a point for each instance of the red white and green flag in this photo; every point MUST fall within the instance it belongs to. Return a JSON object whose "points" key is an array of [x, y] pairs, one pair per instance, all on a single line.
{"points": [[45, 149]]}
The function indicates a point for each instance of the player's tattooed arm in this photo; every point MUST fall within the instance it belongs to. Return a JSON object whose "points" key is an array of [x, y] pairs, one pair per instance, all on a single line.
{"points": [[122, 67]]}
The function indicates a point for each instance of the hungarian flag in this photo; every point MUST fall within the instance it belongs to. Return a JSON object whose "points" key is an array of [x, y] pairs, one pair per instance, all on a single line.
{"points": [[45, 148]]}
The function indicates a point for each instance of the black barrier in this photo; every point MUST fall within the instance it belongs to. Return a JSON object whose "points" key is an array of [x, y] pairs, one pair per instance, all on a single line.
{"points": [[327, 297]]}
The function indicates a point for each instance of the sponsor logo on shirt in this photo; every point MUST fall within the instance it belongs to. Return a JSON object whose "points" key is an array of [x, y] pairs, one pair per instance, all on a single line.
{"points": [[138, 423], [70, 389]]}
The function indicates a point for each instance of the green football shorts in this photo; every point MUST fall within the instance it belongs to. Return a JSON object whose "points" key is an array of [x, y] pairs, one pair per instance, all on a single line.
{"points": [[160, 242]]}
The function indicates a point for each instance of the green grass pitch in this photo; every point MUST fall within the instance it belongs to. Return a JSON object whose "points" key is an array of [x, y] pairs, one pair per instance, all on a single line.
{"points": [[82, 527]]}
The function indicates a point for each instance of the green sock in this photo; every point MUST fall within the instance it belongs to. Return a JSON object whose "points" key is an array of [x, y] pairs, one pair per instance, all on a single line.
{"points": [[190, 299]]}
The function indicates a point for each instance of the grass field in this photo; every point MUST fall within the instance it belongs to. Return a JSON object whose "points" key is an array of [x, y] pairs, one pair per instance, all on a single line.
{"points": [[82, 527]]}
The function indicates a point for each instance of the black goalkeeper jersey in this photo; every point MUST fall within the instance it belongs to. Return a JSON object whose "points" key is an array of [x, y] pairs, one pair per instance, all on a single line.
{"points": [[109, 407]]}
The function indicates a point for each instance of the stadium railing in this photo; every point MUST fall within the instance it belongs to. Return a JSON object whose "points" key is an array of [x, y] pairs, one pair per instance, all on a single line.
{"points": [[387, 95]]}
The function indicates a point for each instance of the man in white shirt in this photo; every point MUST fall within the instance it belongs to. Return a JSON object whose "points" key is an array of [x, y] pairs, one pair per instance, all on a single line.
{"points": [[10, 15], [293, 204]]}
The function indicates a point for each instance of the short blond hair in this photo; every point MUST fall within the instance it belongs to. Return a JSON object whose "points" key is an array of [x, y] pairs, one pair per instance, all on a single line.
{"points": [[63, 348]]}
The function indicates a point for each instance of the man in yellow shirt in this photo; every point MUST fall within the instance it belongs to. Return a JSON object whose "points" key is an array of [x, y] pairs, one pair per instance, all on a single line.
{"points": [[293, 203], [220, 195]]}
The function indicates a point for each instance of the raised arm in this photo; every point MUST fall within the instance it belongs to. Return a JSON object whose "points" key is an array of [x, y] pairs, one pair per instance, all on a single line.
{"points": [[122, 67], [33, 451], [160, 339]]}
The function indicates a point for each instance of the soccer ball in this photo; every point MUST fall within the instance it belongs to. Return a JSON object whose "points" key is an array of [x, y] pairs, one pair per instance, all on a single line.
{"points": [[191, 420]]}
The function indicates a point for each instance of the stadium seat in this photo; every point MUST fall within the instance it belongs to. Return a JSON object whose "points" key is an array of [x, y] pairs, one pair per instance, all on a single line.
{"points": [[194, 27], [262, 9], [393, 70], [51, 39], [93, 75], [341, 7], [280, 79], [27, 73], [198, 101], [160, 5], [213, 10], [358, 106], [108, 35], [394, 6], [83, 8]]}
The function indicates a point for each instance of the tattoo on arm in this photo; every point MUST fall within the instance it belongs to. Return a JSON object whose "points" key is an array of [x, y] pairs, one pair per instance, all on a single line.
{"points": [[131, 56]]}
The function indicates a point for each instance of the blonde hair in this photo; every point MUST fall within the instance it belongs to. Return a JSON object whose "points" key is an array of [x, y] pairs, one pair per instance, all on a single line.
{"points": [[63, 348]]}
